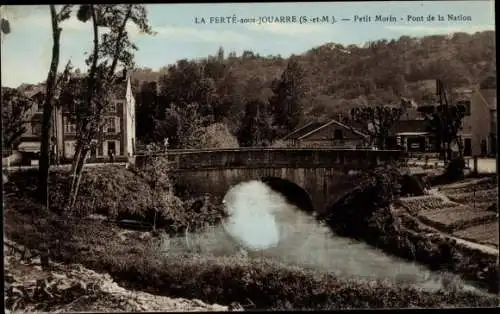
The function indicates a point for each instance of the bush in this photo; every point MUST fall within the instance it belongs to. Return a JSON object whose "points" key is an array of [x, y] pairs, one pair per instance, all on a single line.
{"points": [[411, 185], [120, 193], [455, 169], [217, 135]]}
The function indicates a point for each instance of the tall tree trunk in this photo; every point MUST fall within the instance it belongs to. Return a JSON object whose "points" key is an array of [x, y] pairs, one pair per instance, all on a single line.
{"points": [[79, 158], [44, 161], [88, 128]]}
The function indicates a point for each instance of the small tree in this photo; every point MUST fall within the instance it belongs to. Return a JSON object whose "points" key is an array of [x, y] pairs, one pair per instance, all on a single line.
{"points": [[377, 122], [116, 47]]}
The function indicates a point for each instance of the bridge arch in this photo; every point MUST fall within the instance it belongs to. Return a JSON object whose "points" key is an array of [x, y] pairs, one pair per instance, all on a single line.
{"points": [[319, 173], [292, 192]]}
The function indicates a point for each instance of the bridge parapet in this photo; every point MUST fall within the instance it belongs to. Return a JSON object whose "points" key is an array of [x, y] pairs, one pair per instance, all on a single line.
{"points": [[189, 160]]}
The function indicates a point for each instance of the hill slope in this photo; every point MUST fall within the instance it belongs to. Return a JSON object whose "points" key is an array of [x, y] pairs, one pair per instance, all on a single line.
{"points": [[341, 76]]}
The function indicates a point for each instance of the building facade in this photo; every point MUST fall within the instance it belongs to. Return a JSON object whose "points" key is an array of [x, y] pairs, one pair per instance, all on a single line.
{"points": [[482, 123], [332, 134], [117, 137]]}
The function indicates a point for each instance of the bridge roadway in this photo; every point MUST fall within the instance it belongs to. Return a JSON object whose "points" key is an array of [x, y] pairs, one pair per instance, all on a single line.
{"points": [[310, 176]]}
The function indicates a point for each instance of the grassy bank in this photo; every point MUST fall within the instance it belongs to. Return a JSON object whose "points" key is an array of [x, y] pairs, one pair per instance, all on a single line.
{"points": [[366, 214], [120, 193], [135, 263]]}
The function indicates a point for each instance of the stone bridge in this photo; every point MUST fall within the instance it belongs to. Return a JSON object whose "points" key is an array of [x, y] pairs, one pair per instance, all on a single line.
{"points": [[308, 177]]}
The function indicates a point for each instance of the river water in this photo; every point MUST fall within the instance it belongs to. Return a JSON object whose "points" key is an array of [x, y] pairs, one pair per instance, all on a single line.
{"points": [[262, 224]]}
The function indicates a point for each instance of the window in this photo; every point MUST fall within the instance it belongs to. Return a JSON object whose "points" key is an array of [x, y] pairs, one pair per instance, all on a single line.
{"points": [[112, 106], [111, 125], [337, 135], [69, 148], [69, 127], [466, 104], [36, 128]]}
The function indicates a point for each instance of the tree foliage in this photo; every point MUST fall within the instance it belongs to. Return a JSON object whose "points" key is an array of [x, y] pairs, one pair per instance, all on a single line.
{"points": [[15, 110], [256, 126], [377, 121], [444, 122], [110, 49], [287, 104]]}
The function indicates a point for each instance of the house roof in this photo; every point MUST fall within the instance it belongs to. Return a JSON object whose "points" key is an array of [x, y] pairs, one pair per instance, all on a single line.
{"points": [[303, 130], [409, 126], [119, 88], [489, 96], [314, 127]]}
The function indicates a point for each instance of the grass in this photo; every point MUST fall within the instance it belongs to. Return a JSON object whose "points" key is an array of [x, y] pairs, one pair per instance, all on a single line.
{"points": [[490, 195], [137, 264]]}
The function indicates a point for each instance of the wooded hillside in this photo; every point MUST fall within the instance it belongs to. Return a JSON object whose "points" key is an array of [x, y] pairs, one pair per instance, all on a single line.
{"points": [[339, 77]]}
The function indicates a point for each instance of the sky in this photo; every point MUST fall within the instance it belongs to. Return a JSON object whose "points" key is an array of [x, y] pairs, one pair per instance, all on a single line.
{"points": [[26, 51]]}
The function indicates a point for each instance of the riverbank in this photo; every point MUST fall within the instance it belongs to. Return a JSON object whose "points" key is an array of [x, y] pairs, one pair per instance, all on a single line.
{"points": [[136, 263], [425, 229]]}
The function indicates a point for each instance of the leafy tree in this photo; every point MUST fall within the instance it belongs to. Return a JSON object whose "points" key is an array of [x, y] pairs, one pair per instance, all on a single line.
{"points": [[377, 122], [147, 105], [185, 126], [444, 122], [15, 109], [287, 103], [256, 127], [116, 47], [186, 83]]}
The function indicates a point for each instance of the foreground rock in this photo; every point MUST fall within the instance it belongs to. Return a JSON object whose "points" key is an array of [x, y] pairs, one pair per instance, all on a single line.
{"points": [[74, 288]]}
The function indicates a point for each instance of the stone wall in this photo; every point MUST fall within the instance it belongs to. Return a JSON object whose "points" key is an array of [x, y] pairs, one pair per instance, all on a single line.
{"points": [[182, 160]]}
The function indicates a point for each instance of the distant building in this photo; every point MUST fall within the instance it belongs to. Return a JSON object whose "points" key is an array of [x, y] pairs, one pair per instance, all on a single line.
{"points": [[482, 123], [411, 136], [117, 136], [330, 134]]}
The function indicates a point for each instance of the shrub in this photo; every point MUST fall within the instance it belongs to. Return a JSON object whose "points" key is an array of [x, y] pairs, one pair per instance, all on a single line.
{"points": [[119, 193], [411, 185], [455, 169], [217, 135]]}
